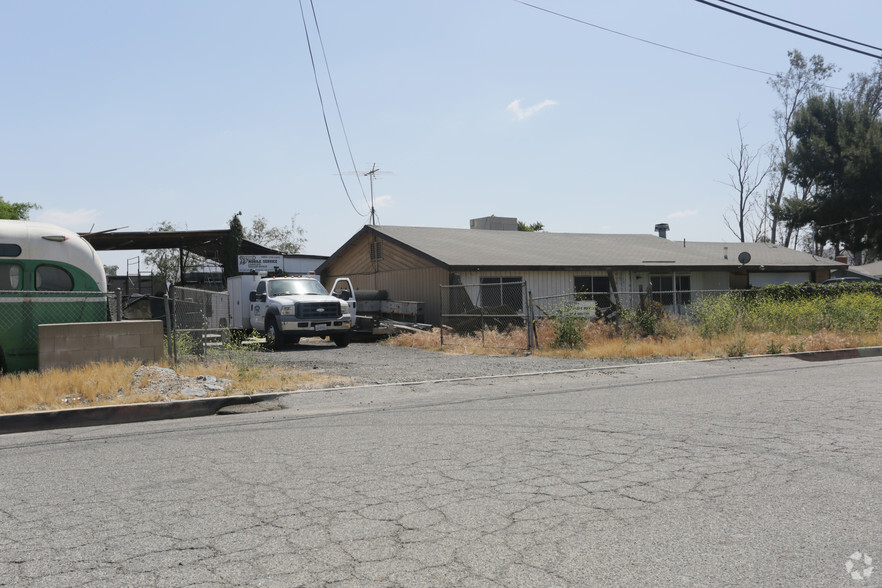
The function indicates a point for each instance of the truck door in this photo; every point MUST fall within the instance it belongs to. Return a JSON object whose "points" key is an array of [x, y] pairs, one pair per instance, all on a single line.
{"points": [[258, 307], [343, 290]]}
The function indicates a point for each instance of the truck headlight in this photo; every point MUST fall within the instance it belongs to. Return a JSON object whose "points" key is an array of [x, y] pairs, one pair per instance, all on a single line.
{"points": [[344, 308], [288, 310]]}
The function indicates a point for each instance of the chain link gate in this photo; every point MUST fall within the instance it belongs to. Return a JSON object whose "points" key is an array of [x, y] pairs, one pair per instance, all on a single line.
{"points": [[200, 318], [497, 310]]}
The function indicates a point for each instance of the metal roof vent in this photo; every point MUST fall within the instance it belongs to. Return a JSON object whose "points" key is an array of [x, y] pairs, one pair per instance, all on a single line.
{"points": [[662, 230]]}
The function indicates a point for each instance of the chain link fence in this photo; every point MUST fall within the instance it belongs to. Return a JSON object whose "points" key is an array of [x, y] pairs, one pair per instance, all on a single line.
{"points": [[199, 319], [496, 310], [21, 313]]}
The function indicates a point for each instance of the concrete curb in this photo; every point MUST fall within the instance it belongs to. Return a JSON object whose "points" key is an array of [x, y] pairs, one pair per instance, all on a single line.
{"points": [[180, 409], [123, 413], [851, 353]]}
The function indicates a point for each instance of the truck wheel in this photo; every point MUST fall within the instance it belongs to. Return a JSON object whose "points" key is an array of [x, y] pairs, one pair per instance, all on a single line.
{"points": [[274, 337], [342, 340]]}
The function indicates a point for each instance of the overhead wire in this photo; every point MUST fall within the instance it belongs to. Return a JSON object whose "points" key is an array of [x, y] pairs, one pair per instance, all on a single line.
{"points": [[337, 103], [790, 22], [789, 30], [654, 43], [324, 114], [642, 40]]}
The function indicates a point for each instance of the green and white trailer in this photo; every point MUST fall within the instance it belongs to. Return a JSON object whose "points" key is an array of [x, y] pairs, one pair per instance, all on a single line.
{"points": [[48, 275]]}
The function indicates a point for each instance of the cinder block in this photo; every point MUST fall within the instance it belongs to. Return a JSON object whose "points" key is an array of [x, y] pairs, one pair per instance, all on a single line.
{"points": [[125, 340]]}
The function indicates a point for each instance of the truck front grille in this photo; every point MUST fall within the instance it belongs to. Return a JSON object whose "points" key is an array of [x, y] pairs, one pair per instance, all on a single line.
{"points": [[317, 310]]}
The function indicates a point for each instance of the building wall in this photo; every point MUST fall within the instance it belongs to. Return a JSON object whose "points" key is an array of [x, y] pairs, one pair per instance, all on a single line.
{"points": [[74, 344], [404, 275]]}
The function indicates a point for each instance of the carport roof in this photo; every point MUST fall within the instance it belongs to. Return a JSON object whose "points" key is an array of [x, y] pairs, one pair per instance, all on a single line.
{"points": [[208, 244], [470, 249]]}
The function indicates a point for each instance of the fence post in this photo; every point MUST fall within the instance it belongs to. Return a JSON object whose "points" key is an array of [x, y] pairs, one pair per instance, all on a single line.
{"points": [[172, 348], [441, 316], [119, 312], [529, 321]]}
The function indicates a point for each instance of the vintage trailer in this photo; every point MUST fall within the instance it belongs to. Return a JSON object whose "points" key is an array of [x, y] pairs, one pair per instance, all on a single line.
{"points": [[48, 275]]}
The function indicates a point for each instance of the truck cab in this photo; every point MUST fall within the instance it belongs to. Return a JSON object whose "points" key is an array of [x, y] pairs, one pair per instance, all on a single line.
{"points": [[287, 308]]}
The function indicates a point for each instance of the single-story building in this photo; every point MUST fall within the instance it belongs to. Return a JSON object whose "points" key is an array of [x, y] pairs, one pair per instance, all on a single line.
{"points": [[412, 263]]}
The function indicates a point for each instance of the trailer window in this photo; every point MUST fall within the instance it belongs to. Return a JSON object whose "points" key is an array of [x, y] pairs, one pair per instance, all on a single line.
{"points": [[52, 278], [10, 276], [9, 250]]}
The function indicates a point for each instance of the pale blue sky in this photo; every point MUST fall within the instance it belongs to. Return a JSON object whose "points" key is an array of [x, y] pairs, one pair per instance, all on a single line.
{"points": [[128, 113]]}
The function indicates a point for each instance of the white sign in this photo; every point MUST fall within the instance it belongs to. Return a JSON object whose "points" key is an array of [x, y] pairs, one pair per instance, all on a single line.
{"points": [[259, 263]]}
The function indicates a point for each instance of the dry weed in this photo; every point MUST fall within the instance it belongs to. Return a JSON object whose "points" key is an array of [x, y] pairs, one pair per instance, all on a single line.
{"points": [[103, 384]]}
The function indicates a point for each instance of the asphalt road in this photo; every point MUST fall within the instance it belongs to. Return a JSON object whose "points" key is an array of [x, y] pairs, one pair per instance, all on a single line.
{"points": [[725, 473]]}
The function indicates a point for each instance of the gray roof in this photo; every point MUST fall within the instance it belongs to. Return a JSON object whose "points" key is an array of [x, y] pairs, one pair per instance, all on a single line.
{"points": [[486, 249], [871, 269]]}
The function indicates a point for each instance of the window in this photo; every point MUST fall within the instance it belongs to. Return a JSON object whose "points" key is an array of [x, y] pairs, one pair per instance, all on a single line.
{"points": [[502, 292], [594, 288], [9, 250], [52, 278], [670, 289], [376, 250], [10, 276]]}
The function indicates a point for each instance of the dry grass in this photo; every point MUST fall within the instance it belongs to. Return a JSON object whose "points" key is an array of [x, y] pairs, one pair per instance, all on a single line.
{"points": [[602, 342], [103, 384]]}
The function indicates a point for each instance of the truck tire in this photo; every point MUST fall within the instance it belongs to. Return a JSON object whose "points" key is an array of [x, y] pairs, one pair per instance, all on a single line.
{"points": [[342, 339], [274, 338]]}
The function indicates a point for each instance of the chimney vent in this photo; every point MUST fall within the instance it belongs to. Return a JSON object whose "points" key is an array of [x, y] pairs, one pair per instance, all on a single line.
{"points": [[662, 230]]}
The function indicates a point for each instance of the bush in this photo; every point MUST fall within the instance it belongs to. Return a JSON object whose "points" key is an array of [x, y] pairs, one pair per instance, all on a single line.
{"points": [[568, 325]]}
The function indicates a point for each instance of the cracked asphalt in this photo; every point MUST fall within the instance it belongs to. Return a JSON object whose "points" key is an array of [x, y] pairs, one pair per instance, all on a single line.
{"points": [[723, 473]]}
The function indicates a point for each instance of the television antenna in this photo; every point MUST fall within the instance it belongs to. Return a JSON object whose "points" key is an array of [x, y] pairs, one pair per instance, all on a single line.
{"points": [[372, 173]]}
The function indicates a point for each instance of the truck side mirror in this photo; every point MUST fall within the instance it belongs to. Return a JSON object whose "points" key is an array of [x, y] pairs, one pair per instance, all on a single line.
{"points": [[252, 296], [344, 295]]}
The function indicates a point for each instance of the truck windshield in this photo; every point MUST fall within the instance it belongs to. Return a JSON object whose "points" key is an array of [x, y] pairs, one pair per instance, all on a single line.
{"points": [[289, 287]]}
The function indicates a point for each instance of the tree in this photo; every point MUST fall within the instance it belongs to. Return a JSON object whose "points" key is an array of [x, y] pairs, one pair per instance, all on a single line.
{"points": [[748, 176], [16, 210], [533, 228], [839, 154], [231, 246], [289, 239], [804, 78], [166, 263]]}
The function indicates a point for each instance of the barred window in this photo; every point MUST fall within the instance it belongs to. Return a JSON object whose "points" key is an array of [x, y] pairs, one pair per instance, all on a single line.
{"points": [[594, 288], [502, 292], [665, 289]]}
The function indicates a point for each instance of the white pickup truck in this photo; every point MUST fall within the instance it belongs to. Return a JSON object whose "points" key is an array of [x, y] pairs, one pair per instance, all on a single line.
{"points": [[285, 309]]}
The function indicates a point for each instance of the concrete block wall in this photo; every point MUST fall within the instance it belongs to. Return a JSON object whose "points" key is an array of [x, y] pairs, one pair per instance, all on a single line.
{"points": [[74, 344]]}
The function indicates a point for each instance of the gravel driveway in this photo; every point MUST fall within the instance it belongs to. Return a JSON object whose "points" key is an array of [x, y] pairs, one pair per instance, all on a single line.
{"points": [[376, 363]]}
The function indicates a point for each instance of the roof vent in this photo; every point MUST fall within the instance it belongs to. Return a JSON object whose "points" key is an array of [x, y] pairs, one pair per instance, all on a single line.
{"points": [[662, 230]]}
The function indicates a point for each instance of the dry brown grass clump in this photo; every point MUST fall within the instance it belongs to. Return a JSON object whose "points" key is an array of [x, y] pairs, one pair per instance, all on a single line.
{"points": [[103, 384], [602, 341]]}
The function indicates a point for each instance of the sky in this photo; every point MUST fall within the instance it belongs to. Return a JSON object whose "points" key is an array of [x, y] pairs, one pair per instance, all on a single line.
{"points": [[128, 114]]}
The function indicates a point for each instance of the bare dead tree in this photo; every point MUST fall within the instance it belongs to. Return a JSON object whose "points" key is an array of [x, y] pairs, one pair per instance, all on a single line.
{"points": [[750, 170]]}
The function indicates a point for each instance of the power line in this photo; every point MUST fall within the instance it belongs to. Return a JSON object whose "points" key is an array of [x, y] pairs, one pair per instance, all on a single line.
{"points": [[647, 41], [653, 43], [324, 114], [799, 25], [789, 30], [336, 102]]}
